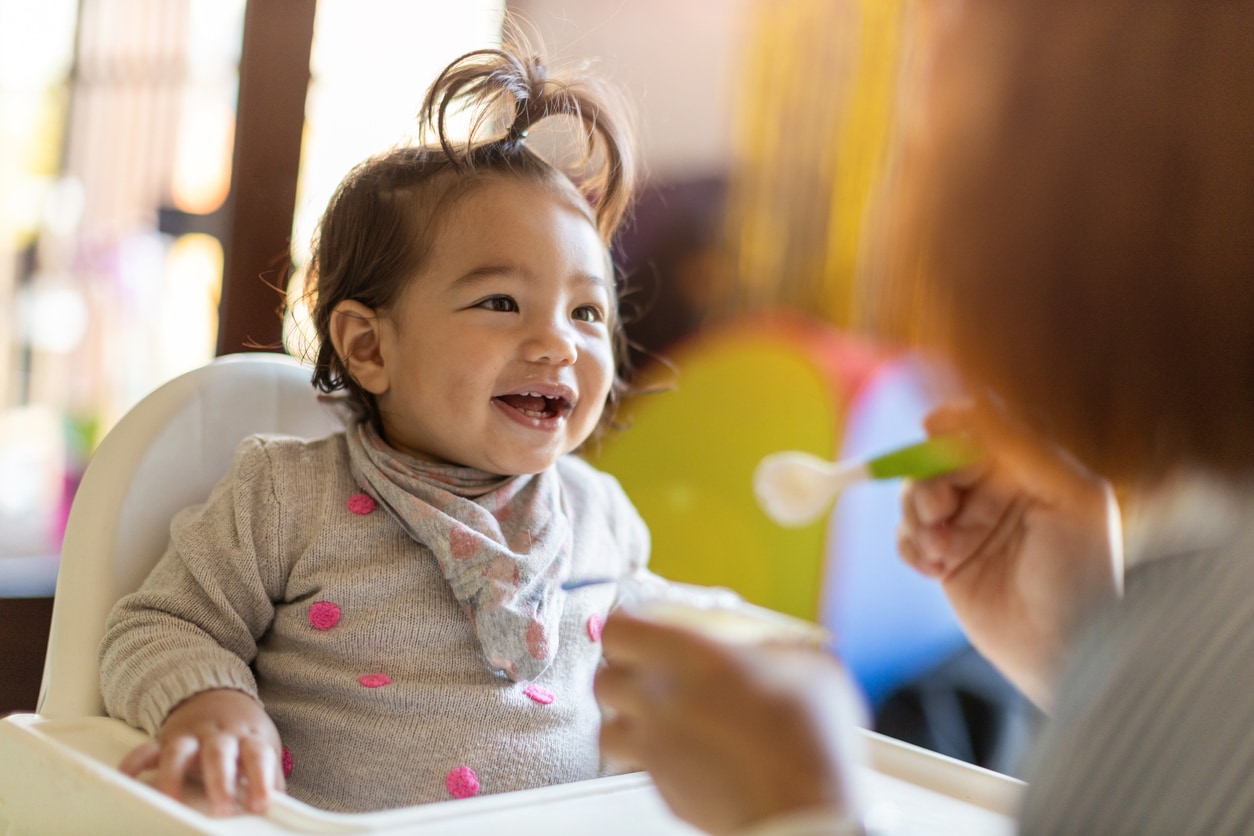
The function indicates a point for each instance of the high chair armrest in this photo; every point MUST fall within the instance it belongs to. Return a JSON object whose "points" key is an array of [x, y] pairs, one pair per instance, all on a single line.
{"points": [[59, 775]]}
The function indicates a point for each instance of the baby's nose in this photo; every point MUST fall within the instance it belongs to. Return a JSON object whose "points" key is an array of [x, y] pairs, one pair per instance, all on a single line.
{"points": [[552, 342]]}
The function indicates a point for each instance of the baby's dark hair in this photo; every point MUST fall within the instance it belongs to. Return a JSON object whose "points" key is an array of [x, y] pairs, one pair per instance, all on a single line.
{"points": [[379, 226]]}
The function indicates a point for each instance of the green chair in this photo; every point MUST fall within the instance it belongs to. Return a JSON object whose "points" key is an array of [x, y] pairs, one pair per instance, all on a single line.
{"points": [[733, 395]]}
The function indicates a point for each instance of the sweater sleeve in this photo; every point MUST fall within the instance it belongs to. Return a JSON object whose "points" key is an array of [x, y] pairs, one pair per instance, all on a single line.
{"points": [[194, 624]]}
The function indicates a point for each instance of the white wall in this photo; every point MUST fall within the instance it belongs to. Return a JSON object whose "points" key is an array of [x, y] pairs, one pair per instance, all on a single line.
{"points": [[678, 58]]}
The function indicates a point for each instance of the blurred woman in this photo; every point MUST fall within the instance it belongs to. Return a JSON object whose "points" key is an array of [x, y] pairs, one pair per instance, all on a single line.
{"points": [[1075, 236]]}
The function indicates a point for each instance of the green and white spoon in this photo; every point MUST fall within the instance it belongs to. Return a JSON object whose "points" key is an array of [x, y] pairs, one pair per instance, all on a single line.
{"points": [[794, 488]]}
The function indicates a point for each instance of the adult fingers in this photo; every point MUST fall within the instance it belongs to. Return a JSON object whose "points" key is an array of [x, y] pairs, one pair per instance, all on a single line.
{"points": [[177, 756], [909, 551], [940, 499], [631, 691], [956, 416], [1040, 467], [930, 501], [1031, 460], [218, 759], [619, 744], [938, 548], [628, 640], [908, 545]]}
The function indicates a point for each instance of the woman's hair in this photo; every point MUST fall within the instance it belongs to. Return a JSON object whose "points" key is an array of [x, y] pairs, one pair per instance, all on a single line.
{"points": [[379, 227], [1079, 225]]}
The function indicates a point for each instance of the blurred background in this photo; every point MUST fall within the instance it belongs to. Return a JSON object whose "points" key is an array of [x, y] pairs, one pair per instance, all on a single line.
{"points": [[163, 164], [148, 201]]}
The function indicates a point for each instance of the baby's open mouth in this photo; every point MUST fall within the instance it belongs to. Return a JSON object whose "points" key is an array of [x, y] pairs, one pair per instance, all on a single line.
{"points": [[535, 405]]}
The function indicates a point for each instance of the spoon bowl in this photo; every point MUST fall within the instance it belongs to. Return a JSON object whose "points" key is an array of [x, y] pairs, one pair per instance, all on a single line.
{"points": [[795, 488]]}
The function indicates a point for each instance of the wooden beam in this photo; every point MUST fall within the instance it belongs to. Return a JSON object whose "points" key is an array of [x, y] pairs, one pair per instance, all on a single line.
{"points": [[270, 118]]}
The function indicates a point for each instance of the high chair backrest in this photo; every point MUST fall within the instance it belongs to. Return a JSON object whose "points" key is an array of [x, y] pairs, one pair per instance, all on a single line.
{"points": [[165, 454]]}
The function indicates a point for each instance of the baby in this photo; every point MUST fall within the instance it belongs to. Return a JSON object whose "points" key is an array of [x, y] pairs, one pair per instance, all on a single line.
{"points": [[376, 619]]}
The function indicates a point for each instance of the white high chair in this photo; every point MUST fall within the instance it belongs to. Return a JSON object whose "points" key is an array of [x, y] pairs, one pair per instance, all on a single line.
{"points": [[57, 766]]}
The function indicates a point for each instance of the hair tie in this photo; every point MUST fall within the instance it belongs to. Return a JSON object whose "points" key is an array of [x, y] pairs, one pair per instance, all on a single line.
{"points": [[515, 136], [523, 118]]}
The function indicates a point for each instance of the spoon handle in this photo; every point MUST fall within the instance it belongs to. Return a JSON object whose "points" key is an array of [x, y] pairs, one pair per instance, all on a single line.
{"points": [[924, 459]]}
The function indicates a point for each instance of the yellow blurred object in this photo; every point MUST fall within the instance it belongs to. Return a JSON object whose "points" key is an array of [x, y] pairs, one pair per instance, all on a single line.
{"points": [[688, 455], [813, 144]]}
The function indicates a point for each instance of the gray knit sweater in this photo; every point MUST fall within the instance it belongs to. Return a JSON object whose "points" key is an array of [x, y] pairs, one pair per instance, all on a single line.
{"points": [[346, 630]]}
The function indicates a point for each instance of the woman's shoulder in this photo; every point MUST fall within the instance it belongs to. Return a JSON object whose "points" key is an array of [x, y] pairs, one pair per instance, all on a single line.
{"points": [[1156, 693], [1184, 619]]}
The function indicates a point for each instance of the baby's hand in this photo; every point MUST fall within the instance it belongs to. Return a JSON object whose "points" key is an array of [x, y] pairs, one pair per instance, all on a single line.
{"points": [[223, 736]]}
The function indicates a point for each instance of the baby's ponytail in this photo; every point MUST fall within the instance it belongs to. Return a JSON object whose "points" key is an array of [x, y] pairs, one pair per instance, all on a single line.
{"points": [[508, 94]]}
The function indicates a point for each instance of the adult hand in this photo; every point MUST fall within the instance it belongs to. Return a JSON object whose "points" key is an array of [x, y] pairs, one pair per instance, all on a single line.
{"points": [[226, 738], [1024, 544], [731, 734]]}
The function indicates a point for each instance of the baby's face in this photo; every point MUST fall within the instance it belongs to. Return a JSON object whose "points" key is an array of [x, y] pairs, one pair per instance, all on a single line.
{"points": [[498, 354]]}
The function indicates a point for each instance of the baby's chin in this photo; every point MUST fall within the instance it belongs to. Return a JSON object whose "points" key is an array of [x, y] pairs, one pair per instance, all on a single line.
{"points": [[521, 466], [521, 460]]}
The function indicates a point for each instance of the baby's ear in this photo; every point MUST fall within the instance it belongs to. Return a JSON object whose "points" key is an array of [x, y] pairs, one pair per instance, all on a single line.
{"points": [[355, 333]]}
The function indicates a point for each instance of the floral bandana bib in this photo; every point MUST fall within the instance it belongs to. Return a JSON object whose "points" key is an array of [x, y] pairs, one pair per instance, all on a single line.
{"points": [[502, 542]]}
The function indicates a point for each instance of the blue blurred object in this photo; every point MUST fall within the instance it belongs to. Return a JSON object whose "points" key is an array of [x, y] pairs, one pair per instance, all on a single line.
{"points": [[891, 624]]}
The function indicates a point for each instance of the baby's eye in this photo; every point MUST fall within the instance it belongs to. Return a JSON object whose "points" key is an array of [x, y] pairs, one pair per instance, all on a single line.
{"points": [[588, 313], [500, 304]]}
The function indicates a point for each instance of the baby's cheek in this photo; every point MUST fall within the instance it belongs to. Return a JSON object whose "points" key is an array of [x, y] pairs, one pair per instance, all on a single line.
{"points": [[599, 357]]}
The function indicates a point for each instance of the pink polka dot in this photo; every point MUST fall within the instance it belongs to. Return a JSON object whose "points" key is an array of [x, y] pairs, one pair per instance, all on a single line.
{"points": [[595, 623], [462, 782], [374, 680], [360, 503], [324, 615], [287, 762], [540, 694]]}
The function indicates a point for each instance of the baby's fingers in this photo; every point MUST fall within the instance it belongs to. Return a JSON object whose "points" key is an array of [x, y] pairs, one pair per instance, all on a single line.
{"points": [[177, 757], [260, 768], [143, 757], [218, 758]]}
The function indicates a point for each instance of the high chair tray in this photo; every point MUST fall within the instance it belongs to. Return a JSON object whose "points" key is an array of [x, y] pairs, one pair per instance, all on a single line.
{"points": [[58, 776]]}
